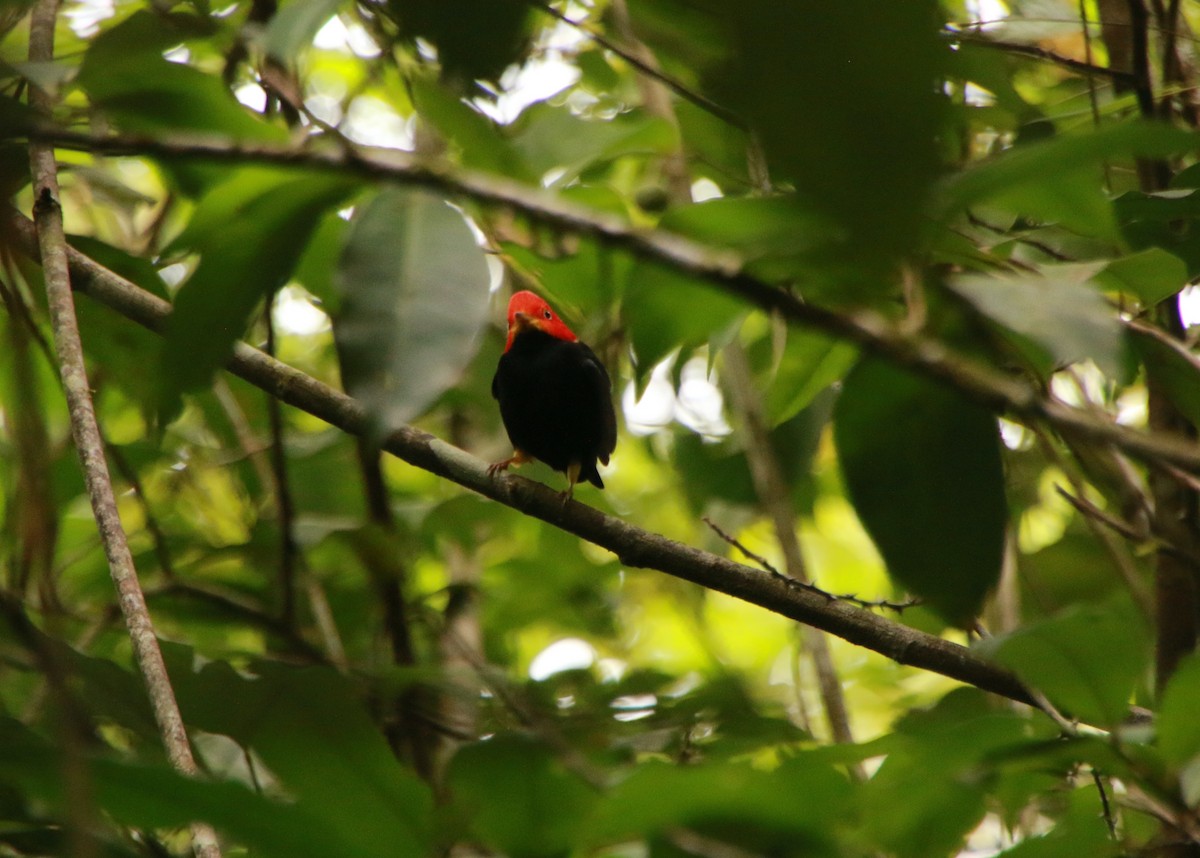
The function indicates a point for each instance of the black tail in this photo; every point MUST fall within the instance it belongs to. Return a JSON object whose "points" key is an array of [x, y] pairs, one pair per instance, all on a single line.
{"points": [[588, 472]]}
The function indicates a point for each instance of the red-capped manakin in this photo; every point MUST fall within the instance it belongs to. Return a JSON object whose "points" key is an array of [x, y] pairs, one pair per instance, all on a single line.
{"points": [[555, 396]]}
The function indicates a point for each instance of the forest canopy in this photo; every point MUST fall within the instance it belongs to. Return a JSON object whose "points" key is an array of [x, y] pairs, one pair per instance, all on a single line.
{"points": [[897, 552]]}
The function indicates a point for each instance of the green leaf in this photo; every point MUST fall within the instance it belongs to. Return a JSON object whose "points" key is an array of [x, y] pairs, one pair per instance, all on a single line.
{"points": [[1049, 168], [126, 76], [249, 231], [791, 69], [791, 810], [1151, 275], [810, 363], [1086, 659], [667, 311], [478, 143], [779, 237], [294, 26], [1173, 370], [1169, 220], [517, 798], [414, 295], [1178, 726], [155, 797], [476, 39], [1069, 320], [310, 730], [922, 467], [553, 138]]}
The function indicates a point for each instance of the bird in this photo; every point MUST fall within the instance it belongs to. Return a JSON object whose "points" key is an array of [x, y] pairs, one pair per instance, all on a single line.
{"points": [[555, 396]]}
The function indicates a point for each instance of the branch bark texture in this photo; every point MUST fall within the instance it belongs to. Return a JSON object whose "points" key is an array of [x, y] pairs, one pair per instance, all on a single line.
{"points": [[51, 249], [634, 546]]}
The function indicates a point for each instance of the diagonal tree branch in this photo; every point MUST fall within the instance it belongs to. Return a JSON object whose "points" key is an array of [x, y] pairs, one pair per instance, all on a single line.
{"points": [[634, 546], [50, 247], [725, 269]]}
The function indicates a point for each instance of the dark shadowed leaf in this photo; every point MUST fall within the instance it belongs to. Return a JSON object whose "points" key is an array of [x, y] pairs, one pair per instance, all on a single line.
{"points": [[792, 69], [1173, 370], [474, 38], [922, 467], [1169, 220], [790, 810], [514, 796], [413, 288], [309, 728], [1086, 659], [156, 797]]}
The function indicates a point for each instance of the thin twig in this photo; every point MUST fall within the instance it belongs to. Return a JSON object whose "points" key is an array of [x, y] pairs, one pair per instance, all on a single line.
{"points": [[898, 607], [646, 68], [1106, 808], [53, 251], [1038, 53]]}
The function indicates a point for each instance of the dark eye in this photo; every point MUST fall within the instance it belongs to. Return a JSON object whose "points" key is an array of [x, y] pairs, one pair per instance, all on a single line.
{"points": [[547, 314]]}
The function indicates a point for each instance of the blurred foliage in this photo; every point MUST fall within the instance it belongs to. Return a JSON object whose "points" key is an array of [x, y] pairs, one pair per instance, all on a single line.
{"points": [[452, 674]]}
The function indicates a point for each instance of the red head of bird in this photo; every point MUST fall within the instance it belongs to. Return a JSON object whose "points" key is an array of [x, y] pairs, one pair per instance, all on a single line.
{"points": [[526, 310]]}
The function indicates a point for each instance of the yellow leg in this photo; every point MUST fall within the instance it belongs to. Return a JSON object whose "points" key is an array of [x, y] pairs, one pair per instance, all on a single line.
{"points": [[519, 457], [572, 478]]}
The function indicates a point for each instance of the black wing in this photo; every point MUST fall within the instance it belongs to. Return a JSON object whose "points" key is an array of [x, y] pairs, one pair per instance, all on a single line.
{"points": [[601, 386]]}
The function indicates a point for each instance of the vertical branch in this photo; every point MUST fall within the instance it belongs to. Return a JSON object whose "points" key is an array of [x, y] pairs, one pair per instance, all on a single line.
{"points": [[1177, 591], [775, 498], [388, 575], [283, 491], [35, 518], [52, 249]]}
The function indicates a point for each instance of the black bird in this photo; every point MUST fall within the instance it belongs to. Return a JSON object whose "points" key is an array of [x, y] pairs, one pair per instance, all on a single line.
{"points": [[555, 396]]}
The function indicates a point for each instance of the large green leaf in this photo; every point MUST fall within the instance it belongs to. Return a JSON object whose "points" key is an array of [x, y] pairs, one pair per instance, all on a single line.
{"points": [[791, 71], [554, 138], [474, 138], [1086, 660], [308, 727], [1169, 220], [126, 76], [249, 232], [156, 797], [793, 809], [1069, 320], [922, 467], [1178, 726], [414, 295], [1039, 172], [1150, 275], [517, 798]]}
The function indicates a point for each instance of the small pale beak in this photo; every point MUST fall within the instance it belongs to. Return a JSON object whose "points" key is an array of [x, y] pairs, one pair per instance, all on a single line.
{"points": [[521, 322]]}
